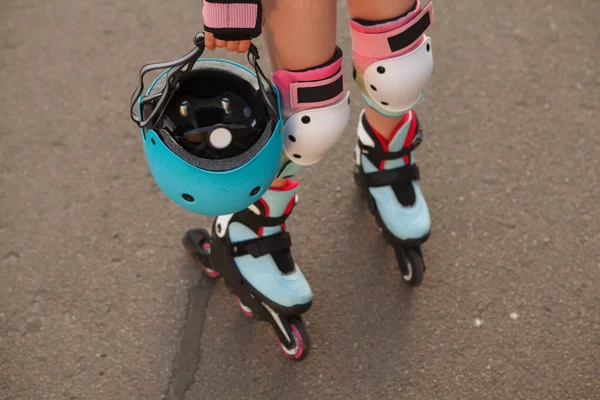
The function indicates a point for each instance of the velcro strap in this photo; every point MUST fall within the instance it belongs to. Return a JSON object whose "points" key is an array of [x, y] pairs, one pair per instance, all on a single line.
{"points": [[232, 20], [247, 217], [255, 221], [262, 245], [384, 45], [388, 177], [317, 93]]}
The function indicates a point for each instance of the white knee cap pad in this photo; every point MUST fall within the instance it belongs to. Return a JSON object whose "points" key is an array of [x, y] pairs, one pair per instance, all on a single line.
{"points": [[309, 134], [316, 110], [396, 85], [393, 67]]}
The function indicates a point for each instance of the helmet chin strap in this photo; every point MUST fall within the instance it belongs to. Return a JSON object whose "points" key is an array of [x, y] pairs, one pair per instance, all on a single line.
{"points": [[253, 58], [175, 71]]}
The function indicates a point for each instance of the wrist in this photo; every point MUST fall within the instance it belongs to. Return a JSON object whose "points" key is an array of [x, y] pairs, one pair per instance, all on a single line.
{"points": [[233, 20]]}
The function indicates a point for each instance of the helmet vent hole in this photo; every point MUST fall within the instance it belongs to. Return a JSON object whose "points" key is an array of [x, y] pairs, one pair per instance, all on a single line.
{"points": [[297, 156], [305, 119], [219, 228], [381, 70], [153, 141], [428, 47], [292, 138], [187, 197], [385, 103], [255, 191], [374, 88]]}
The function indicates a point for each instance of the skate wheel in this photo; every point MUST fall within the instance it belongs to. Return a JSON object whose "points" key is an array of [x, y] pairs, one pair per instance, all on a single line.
{"points": [[197, 242], [211, 273], [301, 341], [414, 267], [245, 310]]}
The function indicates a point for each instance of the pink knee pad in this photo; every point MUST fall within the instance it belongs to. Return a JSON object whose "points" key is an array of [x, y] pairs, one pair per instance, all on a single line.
{"points": [[315, 108], [393, 61]]}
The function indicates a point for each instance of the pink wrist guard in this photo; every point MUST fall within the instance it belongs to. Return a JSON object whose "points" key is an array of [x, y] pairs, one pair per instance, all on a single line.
{"points": [[233, 20]]}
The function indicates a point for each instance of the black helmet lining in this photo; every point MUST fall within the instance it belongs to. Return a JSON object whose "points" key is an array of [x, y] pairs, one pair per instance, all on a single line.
{"points": [[209, 79]]}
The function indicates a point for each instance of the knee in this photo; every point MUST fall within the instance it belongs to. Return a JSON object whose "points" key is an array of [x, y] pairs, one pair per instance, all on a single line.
{"points": [[315, 108], [393, 61]]}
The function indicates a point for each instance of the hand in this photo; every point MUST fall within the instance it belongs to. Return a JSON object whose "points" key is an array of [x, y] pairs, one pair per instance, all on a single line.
{"points": [[239, 46]]}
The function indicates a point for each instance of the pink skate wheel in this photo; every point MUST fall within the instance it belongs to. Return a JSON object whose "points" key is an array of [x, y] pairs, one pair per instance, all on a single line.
{"points": [[211, 273], [301, 342], [246, 310]]}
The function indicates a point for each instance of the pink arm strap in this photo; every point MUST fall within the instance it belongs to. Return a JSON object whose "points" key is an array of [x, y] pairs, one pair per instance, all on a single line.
{"points": [[317, 93], [312, 88]]}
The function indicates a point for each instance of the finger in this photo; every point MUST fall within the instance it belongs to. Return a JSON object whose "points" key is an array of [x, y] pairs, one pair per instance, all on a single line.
{"points": [[231, 46], [209, 41], [220, 43], [244, 46]]}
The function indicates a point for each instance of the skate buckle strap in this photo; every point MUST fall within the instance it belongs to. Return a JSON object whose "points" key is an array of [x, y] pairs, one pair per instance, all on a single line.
{"points": [[388, 177], [379, 154], [262, 246], [251, 219]]}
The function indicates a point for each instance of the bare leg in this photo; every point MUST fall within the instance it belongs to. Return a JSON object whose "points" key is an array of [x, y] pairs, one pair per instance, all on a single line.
{"points": [[300, 35], [378, 10]]}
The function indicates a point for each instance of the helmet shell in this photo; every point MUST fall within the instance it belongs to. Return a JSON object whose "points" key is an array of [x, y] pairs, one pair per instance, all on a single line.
{"points": [[214, 187]]}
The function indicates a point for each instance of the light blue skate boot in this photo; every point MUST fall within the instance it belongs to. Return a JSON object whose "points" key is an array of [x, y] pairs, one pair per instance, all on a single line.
{"points": [[251, 251], [261, 250], [388, 175]]}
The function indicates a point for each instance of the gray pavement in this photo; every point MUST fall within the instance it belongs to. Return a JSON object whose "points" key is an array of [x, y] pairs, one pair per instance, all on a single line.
{"points": [[98, 300]]}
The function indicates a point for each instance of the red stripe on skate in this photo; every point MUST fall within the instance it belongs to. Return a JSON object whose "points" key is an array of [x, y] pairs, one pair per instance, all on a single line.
{"points": [[289, 185], [288, 209], [385, 143], [399, 126], [411, 135], [266, 206]]}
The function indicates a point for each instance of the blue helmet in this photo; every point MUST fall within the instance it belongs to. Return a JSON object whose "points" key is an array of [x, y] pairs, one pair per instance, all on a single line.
{"points": [[210, 130]]}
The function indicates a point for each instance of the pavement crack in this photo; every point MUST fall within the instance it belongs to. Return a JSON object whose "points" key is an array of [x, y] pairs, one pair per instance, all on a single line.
{"points": [[11, 257], [187, 358]]}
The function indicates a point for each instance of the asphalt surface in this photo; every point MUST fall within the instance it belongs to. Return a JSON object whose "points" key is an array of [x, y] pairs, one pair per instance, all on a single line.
{"points": [[98, 300]]}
